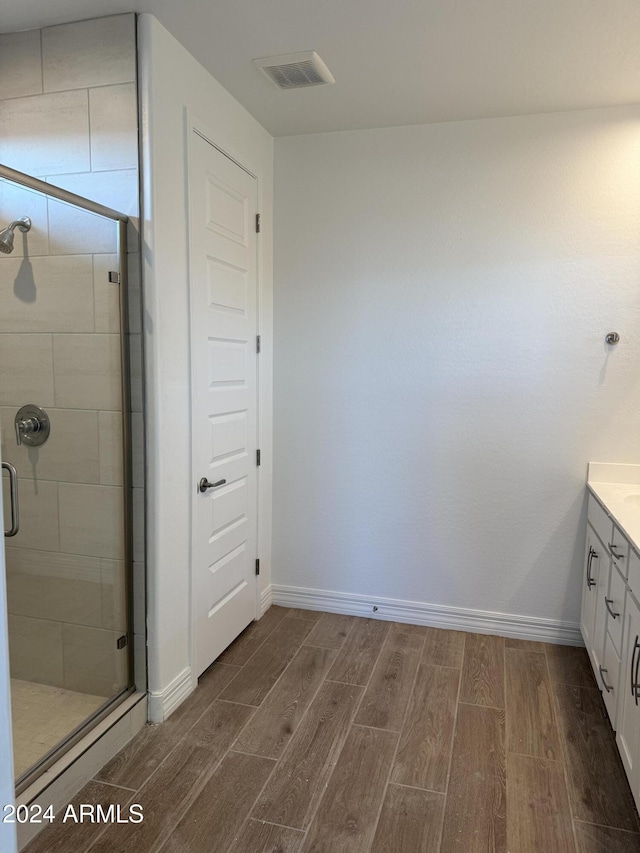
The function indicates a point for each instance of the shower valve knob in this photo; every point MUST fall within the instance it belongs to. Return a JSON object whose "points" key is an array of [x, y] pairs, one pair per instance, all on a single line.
{"points": [[32, 425]]}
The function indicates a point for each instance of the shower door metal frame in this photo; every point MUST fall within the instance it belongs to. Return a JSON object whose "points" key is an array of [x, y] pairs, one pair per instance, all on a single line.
{"points": [[122, 220]]}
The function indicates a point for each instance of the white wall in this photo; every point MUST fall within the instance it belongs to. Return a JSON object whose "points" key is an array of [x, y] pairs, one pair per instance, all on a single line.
{"points": [[172, 82], [441, 378]]}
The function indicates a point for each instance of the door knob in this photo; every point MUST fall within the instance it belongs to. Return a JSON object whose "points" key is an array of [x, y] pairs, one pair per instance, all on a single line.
{"points": [[204, 484]]}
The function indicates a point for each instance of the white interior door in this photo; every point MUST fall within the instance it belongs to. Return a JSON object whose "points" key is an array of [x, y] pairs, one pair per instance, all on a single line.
{"points": [[223, 292]]}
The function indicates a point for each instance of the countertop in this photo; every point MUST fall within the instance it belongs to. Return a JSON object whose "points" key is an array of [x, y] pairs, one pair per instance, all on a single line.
{"points": [[612, 485]]}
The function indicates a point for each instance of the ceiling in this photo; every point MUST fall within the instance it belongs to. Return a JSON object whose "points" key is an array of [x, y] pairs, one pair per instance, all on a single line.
{"points": [[396, 63]]}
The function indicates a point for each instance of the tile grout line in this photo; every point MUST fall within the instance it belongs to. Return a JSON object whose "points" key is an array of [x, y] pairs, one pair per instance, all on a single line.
{"points": [[417, 788], [481, 705], [251, 656], [174, 747], [374, 728], [332, 648], [271, 689], [273, 823], [304, 713], [565, 766], [606, 826], [399, 738], [350, 724], [191, 799], [112, 785], [453, 743], [253, 804]]}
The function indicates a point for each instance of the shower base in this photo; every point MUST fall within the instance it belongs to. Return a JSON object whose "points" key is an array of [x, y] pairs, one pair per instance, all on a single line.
{"points": [[42, 717]]}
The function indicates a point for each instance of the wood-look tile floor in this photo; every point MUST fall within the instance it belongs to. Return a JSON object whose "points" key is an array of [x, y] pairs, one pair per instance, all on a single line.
{"points": [[327, 733]]}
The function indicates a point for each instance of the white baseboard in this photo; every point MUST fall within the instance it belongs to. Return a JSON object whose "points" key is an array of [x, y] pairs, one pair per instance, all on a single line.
{"points": [[433, 615], [162, 704], [266, 599]]}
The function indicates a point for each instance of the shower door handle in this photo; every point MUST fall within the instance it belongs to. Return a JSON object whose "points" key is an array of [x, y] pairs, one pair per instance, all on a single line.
{"points": [[15, 507]]}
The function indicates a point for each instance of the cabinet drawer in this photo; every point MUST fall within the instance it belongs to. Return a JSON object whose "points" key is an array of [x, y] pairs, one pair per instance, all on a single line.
{"points": [[634, 574], [600, 521], [609, 678], [615, 608], [618, 548]]}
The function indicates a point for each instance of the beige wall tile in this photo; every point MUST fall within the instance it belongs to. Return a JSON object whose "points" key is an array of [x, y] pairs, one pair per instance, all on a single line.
{"points": [[87, 371], [38, 513], [114, 595], [69, 454], [89, 53], [106, 294], [91, 520], [51, 133], [48, 597], [76, 231], [46, 294], [113, 113], [71, 567], [26, 366], [117, 189], [111, 447], [35, 649], [21, 63], [92, 661], [17, 201]]}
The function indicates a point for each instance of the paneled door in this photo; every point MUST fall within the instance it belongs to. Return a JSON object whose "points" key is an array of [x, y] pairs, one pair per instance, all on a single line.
{"points": [[223, 294]]}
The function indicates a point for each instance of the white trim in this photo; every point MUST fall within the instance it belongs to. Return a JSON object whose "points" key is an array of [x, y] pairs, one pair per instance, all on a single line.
{"points": [[266, 599], [433, 615], [162, 704]]}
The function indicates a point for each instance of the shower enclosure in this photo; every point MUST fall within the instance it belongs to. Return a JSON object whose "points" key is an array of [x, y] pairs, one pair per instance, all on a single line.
{"points": [[64, 428]]}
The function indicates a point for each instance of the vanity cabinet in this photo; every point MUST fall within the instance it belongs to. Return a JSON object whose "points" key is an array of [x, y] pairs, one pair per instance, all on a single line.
{"points": [[610, 625], [628, 734], [604, 591]]}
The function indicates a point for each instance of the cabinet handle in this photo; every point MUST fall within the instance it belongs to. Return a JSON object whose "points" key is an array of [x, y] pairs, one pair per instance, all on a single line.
{"points": [[634, 685], [634, 689], [613, 553], [607, 687], [592, 555], [609, 602]]}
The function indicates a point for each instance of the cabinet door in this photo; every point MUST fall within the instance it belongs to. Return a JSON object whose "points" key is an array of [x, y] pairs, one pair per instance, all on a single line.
{"points": [[593, 558], [601, 589], [628, 735], [609, 680]]}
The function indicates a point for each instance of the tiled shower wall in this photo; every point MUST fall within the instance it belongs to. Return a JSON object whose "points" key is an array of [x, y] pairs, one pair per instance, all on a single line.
{"points": [[69, 117]]}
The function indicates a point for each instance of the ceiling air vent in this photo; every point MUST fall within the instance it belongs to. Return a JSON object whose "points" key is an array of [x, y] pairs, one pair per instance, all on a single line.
{"points": [[295, 70]]}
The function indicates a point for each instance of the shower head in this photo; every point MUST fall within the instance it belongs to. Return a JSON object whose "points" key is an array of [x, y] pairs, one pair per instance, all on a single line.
{"points": [[6, 235]]}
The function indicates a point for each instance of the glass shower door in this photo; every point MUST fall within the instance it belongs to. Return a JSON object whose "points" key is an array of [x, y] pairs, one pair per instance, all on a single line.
{"points": [[64, 432]]}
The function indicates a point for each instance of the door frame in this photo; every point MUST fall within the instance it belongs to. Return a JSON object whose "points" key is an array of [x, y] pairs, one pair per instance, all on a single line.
{"points": [[194, 124], [7, 783]]}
